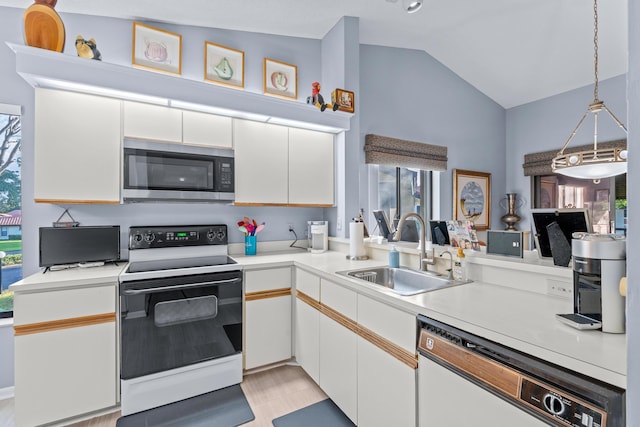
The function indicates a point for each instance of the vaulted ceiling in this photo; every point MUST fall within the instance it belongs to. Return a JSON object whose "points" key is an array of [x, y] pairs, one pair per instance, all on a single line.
{"points": [[514, 51]]}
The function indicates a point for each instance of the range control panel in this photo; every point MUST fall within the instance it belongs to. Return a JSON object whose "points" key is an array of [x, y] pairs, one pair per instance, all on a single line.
{"points": [[175, 236], [555, 405]]}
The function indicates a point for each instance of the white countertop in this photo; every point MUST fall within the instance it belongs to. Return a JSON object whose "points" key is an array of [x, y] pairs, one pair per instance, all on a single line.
{"points": [[518, 319], [69, 278]]}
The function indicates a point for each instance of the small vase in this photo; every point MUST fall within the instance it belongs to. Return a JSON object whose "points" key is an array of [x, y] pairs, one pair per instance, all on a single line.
{"points": [[512, 204], [250, 245]]}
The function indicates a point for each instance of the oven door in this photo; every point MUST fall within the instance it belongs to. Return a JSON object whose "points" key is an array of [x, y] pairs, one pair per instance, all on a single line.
{"points": [[174, 322]]}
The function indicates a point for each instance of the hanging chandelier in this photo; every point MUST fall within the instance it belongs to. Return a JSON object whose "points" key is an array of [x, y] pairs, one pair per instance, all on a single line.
{"points": [[594, 163]]}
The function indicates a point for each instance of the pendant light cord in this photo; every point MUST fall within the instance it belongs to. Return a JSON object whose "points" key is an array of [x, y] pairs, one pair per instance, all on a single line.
{"points": [[595, 49]]}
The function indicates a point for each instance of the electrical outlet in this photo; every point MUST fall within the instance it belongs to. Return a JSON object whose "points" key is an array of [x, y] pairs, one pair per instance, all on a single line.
{"points": [[561, 289]]}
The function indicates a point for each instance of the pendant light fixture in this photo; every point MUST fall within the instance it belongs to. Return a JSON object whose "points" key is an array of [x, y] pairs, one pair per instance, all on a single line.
{"points": [[594, 163]]}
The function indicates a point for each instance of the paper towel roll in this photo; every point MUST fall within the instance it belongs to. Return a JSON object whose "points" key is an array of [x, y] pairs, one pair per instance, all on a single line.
{"points": [[356, 239]]}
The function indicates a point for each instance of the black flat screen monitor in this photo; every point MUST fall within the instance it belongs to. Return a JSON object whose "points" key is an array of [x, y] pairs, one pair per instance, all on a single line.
{"points": [[73, 245], [569, 220]]}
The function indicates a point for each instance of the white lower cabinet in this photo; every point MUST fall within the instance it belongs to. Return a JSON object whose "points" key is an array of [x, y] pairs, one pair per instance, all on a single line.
{"points": [[446, 399], [268, 319], [78, 377], [307, 339], [65, 354], [267, 331], [338, 366], [386, 389]]}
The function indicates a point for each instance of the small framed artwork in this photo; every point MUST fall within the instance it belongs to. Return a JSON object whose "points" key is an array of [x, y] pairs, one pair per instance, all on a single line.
{"points": [[472, 197], [156, 49], [223, 65], [280, 79], [345, 100]]}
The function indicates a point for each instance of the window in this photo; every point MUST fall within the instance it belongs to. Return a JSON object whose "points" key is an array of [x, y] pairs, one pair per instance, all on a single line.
{"points": [[605, 199], [411, 186], [10, 205]]}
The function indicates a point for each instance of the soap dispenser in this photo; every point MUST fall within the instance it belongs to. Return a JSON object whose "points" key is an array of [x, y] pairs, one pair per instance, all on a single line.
{"points": [[394, 257], [459, 271]]}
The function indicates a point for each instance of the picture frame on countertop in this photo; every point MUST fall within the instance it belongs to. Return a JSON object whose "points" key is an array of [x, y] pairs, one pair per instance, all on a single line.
{"points": [[345, 99], [223, 65], [280, 79], [472, 197], [156, 49]]}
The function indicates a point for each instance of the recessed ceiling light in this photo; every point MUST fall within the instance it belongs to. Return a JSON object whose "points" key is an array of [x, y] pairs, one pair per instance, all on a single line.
{"points": [[412, 6]]}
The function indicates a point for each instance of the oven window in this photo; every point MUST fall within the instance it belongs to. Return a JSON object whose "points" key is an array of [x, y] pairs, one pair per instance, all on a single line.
{"points": [[170, 323], [168, 171]]}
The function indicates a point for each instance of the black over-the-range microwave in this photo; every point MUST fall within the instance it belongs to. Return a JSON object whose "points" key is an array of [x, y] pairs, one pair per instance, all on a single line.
{"points": [[155, 171]]}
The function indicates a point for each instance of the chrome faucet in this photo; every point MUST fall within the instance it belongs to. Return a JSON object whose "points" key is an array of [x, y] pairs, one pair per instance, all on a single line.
{"points": [[424, 260], [450, 270]]}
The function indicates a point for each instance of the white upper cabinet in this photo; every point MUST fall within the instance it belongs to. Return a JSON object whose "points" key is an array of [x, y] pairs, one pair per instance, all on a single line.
{"points": [[154, 122], [311, 167], [77, 148], [276, 165], [261, 163], [207, 129]]}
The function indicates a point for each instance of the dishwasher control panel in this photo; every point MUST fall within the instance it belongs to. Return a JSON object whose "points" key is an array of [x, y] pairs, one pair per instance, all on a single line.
{"points": [[559, 406]]}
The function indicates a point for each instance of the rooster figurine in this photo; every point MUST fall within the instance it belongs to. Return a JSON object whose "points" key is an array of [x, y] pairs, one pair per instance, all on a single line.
{"points": [[317, 99]]}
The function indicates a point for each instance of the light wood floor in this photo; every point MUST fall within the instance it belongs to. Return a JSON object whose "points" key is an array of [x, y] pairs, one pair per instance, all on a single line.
{"points": [[270, 393]]}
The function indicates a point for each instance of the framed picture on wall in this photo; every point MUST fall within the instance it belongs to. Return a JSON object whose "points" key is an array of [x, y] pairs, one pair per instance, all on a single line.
{"points": [[223, 65], [345, 100], [156, 49], [280, 79], [472, 197]]}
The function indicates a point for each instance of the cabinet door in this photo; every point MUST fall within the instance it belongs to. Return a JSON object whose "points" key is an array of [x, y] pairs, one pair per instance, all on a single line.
{"points": [[261, 163], [338, 366], [307, 339], [64, 373], [267, 331], [445, 398], [311, 168], [386, 389], [207, 129], [77, 148], [155, 122]]}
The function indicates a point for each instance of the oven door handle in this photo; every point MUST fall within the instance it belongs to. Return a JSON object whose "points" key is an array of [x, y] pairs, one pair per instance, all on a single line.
{"points": [[178, 287]]}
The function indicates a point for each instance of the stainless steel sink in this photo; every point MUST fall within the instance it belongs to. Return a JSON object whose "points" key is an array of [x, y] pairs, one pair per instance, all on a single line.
{"points": [[403, 281]]}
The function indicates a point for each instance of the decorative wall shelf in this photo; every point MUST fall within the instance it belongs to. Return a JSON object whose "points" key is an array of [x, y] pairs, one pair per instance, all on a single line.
{"points": [[44, 68]]}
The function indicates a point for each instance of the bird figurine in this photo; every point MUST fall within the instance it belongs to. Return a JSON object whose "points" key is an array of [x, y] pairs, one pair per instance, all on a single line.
{"points": [[317, 99], [87, 48]]}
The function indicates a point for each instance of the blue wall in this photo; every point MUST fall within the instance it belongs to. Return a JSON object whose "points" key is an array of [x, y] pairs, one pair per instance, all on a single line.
{"points": [[114, 37], [408, 94], [546, 124]]}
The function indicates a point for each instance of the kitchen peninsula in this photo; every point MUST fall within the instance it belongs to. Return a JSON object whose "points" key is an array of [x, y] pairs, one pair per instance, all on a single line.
{"points": [[501, 312]]}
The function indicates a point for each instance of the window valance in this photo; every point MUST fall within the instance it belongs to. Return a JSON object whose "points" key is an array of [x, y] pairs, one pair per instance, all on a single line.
{"points": [[540, 163], [384, 150]]}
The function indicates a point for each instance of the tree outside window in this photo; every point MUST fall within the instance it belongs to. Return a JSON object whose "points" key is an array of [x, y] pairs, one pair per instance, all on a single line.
{"points": [[10, 209]]}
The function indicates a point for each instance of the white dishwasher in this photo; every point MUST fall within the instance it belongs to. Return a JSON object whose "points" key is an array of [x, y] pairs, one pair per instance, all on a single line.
{"points": [[466, 380]]}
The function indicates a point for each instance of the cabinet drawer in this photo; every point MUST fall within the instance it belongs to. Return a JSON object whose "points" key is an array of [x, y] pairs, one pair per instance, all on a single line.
{"points": [[338, 298], [263, 280], [64, 304], [390, 323], [308, 283]]}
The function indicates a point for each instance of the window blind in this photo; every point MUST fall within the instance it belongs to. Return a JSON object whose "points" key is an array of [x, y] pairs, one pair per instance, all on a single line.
{"points": [[384, 150]]}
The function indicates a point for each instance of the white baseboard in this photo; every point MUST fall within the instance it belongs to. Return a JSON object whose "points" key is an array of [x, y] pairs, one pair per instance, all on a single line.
{"points": [[6, 393]]}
